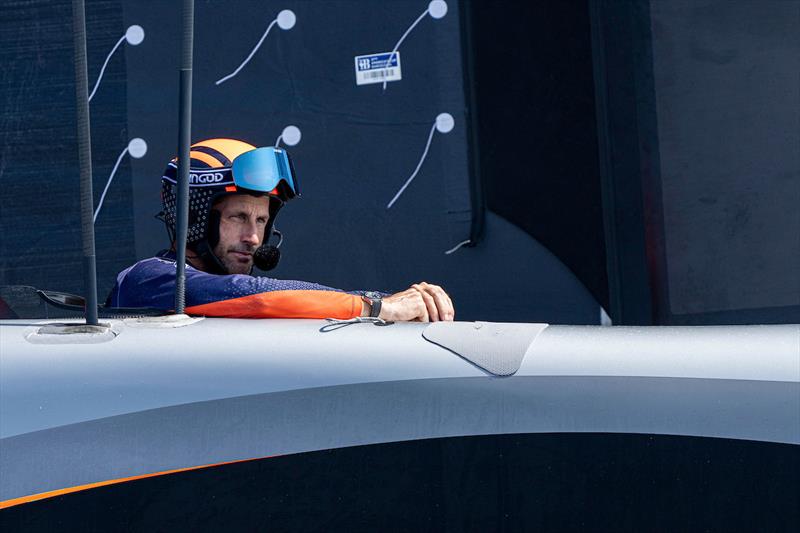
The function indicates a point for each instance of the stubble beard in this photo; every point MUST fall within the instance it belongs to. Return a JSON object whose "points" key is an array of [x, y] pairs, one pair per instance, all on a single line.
{"points": [[233, 265]]}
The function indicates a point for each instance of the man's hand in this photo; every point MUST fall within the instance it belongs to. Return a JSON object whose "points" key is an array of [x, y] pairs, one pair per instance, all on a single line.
{"points": [[423, 302]]}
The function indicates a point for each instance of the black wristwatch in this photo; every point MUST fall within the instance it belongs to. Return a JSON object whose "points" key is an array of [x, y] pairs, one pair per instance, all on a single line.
{"points": [[374, 300]]}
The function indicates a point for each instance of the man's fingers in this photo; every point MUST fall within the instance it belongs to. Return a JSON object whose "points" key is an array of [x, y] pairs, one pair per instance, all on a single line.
{"points": [[452, 307], [443, 302], [422, 302], [430, 303], [422, 307], [444, 305]]}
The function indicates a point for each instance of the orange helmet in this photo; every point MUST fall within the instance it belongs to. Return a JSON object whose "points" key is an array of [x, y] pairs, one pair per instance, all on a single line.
{"points": [[219, 167]]}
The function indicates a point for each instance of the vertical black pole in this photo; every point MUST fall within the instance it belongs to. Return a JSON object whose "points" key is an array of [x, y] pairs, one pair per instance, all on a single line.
{"points": [[184, 140], [84, 160], [477, 196]]}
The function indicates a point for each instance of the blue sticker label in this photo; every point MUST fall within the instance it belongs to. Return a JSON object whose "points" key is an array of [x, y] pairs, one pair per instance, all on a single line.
{"points": [[378, 68]]}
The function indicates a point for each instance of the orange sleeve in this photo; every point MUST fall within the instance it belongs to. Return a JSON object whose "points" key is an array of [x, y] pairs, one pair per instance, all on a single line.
{"points": [[284, 304]]}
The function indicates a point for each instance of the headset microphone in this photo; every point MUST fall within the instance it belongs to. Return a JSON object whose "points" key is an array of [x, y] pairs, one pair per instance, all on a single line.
{"points": [[266, 257]]}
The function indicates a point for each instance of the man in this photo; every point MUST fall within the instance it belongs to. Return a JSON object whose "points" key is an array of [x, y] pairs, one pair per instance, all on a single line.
{"points": [[235, 193]]}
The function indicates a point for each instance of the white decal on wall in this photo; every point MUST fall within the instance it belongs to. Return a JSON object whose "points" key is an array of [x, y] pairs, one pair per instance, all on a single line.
{"points": [[436, 9], [457, 246], [137, 148], [444, 124], [290, 135], [134, 35], [285, 20]]}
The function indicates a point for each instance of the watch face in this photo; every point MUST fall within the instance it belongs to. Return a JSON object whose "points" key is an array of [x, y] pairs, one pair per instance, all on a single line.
{"points": [[373, 295]]}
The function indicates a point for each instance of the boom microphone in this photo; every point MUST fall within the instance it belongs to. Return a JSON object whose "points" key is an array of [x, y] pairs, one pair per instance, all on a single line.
{"points": [[266, 257]]}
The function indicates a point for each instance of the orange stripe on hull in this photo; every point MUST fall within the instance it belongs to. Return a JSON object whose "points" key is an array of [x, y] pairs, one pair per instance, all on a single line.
{"points": [[69, 490], [284, 304]]}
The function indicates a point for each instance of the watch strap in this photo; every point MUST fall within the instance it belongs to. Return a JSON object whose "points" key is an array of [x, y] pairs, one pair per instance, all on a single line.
{"points": [[375, 301]]}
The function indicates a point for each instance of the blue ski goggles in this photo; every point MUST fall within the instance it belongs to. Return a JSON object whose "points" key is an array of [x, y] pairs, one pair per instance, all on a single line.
{"points": [[267, 170]]}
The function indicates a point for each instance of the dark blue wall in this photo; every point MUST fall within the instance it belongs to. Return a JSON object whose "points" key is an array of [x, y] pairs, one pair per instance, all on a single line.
{"points": [[638, 154], [359, 145], [39, 217]]}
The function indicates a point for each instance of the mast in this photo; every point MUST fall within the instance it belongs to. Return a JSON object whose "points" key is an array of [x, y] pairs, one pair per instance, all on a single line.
{"points": [[184, 141], [84, 160]]}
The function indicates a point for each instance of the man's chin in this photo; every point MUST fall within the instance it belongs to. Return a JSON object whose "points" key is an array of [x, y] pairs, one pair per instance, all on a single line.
{"points": [[237, 267]]}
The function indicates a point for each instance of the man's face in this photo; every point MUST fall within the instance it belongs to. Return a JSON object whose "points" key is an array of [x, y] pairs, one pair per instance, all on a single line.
{"points": [[243, 219]]}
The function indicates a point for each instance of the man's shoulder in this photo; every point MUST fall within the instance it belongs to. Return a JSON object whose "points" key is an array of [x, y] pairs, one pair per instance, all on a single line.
{"points": [[156, 262], [148, 269], [142, 284]]}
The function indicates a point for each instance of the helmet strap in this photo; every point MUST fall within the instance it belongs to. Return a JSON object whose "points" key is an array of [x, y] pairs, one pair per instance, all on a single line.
{"points": [[205, 252], [205, 247]]}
